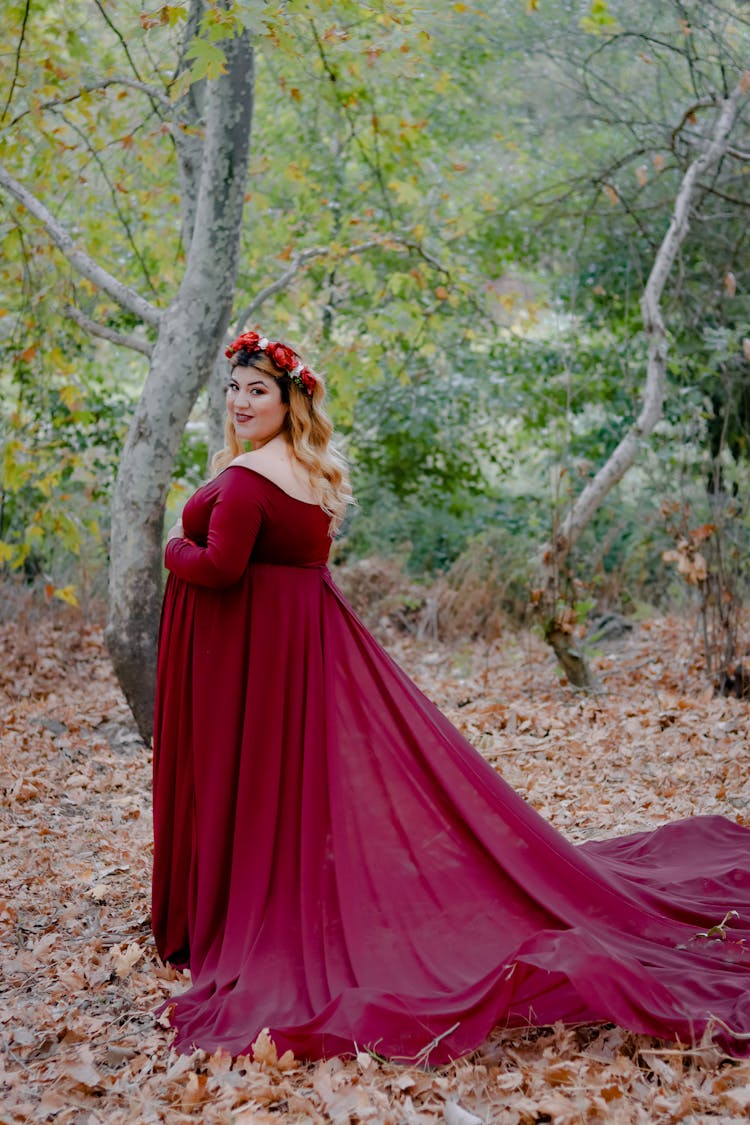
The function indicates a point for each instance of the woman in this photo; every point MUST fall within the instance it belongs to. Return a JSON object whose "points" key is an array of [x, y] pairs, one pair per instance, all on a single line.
{"points": [[332, 859]]}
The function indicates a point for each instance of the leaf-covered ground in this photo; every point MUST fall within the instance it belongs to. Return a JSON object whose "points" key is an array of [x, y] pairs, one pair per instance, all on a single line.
{"points": [[79, 979]]}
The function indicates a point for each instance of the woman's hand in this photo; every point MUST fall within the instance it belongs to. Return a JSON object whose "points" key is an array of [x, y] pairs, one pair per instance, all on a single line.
{"points": [[176, 532]]}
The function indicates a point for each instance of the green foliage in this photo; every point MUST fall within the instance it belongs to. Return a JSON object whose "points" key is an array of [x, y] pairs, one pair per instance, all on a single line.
{"points": [[465, 203], [60, 436]]}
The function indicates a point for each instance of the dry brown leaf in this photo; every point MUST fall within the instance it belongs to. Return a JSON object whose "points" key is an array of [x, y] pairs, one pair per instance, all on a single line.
{"points": [[79, 1066], [83, 1040], [125, 960], [454, 1114], [737, 1098], [194, 1091]]}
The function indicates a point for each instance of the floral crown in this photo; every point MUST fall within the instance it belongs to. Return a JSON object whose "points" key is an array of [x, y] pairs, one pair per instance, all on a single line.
{"points": [[284, 357]]}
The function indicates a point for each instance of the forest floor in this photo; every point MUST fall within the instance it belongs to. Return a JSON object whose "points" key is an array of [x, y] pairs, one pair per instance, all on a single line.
{"points": [[80, 980]]}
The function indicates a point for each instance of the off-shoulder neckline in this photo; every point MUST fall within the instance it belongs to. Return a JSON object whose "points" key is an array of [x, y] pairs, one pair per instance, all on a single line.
{"points": [[296, 499]]}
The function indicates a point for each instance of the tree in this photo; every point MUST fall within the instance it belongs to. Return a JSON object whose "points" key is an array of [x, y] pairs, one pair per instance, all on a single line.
{"points": [[693, 52], [203, 104], [714, 146], [211, 127]]}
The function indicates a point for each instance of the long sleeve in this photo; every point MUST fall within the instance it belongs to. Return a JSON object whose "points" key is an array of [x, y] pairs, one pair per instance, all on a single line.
{"points": [[233, 528]]}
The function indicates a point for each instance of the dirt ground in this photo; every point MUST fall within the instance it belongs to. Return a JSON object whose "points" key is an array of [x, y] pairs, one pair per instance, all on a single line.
{"points": [[80, 979]]}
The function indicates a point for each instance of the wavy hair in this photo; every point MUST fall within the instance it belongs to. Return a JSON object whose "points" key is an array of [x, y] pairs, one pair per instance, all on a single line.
{"points": [[310, 432]]}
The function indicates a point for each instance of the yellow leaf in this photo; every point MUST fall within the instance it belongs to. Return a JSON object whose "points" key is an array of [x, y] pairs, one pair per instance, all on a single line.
{"points": [[443, 82], [67, 594]]}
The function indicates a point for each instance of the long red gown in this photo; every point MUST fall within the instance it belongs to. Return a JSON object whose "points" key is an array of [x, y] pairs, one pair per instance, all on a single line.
{"points": [[336, 863]]}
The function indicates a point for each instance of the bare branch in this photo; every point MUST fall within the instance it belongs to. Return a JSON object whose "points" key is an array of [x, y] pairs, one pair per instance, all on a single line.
{"points": [[703, 103], [735, 199], [135, 343], [86, 266], [17, 62]]}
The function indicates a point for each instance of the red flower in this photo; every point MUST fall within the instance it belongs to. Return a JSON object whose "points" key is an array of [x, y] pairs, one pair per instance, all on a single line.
{"points": [[283, 356], [308, 379], [249, 340]]}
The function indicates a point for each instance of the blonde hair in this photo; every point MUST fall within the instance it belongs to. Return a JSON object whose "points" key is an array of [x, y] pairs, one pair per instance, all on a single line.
{"points": [[310, 432]]}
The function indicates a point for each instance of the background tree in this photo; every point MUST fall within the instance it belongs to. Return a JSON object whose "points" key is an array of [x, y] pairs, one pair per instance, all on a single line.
{"points": [[211, 131]]}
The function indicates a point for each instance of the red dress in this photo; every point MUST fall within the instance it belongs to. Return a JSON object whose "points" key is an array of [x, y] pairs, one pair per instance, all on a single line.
{"points": [[336, 863]]}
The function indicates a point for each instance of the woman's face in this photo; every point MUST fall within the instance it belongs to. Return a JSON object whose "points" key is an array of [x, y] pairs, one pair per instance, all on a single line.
{"points": [[254, 405]]}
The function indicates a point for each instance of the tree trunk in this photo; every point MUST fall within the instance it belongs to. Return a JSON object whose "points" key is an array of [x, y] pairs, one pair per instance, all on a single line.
{"points": [[570, 657], [191, 333]]}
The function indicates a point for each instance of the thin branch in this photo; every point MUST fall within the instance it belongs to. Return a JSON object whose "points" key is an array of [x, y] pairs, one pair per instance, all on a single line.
{"points": [[153, 92], [135, 343], [17, 63], [628, 210], [124, 45], [390, 242], [119, 35], [155, 95], [115, 201], [424, 254], [703, 103], [374, 166], [737, 200], [125, 296]]}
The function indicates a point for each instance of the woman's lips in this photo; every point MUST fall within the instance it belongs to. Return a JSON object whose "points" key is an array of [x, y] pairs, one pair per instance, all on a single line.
{"points": [[242, 418]]}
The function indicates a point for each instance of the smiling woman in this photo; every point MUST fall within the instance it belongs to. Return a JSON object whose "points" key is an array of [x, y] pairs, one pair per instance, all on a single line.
{"points": [[275, 404], [332, 859], [255, 405]]}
